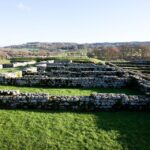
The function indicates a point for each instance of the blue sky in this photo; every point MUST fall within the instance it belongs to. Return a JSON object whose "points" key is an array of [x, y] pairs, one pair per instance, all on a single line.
{"points": [[82, 21]]}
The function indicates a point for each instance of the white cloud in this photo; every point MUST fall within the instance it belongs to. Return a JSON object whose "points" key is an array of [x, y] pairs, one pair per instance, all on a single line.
{"points": [[23, 7]]}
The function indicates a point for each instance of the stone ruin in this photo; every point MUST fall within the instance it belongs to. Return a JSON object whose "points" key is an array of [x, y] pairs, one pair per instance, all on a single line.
{"points": [[94, 102], [84, 75], [18, 64], [15, 74]]}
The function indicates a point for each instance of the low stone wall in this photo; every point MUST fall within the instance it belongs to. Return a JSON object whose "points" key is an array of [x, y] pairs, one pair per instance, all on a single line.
{"points": [[73, 64], [138, 80], [18, 64], [78, 70], [95, 102], [9, 92], [138, 62], [104, 81], [29, 71], [8, 65], [45, 62], [5, 75], [78, 67], [63, 61], [84, 73], [41, 68], [80, 75], [141, 84]]}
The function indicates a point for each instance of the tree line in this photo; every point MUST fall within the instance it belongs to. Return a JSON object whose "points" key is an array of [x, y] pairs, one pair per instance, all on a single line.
{"points": [[125, 52]]}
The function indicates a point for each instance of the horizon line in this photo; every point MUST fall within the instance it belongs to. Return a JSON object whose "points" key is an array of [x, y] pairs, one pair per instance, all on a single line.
{"points": [[136, 41]]}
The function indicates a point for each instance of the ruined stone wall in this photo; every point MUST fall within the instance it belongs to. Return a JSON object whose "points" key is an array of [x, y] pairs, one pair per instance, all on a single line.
{"points": [[8, 65], [81, 70], [86, 82], [78, 70], [138, 80], [87, 75], [63, 61], [16, 74], [142, 84], [84, 73], [78, 67], [95, 102], [18, 64]]}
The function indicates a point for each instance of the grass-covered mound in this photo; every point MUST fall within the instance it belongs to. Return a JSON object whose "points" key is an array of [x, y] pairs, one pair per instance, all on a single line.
{"points": [[28, 130], [69, 91]]}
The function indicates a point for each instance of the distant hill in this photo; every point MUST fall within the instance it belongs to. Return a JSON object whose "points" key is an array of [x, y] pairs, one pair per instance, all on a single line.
{"points": [[70, 46], [45, 46]]}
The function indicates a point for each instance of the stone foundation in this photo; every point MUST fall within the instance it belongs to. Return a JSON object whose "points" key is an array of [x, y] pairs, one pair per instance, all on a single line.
{"points": [[94, 102], [18, 64], [85, 75], [104, 81], [141, 84]]}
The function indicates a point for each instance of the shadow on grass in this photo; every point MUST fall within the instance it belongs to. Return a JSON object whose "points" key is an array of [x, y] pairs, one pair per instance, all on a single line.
{"points": [[132, 128]]}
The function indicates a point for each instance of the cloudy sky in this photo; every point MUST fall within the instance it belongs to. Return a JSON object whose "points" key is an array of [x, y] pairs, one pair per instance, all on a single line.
{"points": [[74, 21]]}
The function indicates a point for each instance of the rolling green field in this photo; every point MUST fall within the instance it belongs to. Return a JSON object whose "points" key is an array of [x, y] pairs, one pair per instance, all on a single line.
{"points": [[31, 130], [69, 91]]}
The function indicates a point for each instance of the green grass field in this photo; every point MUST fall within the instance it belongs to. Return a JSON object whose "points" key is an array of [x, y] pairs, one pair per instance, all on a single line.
{"points": [[74, 59], [69, 91], [5, 70], [4, 61], [31, 130]]}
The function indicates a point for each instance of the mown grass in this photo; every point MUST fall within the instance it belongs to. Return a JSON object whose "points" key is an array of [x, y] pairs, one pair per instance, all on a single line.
{"points": [[69, 91], [4, 61], [5, 70], [31, 130]]}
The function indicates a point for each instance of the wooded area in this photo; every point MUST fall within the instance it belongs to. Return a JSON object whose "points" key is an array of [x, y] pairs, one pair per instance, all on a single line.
{"points": [[124, 52]]}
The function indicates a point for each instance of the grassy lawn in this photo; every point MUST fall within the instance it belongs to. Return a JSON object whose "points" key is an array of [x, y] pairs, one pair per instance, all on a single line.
{"points": [[74, 59], [69, 91], [27, 130], [4, 61], [4, 70]]}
